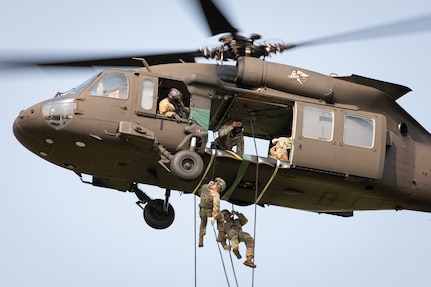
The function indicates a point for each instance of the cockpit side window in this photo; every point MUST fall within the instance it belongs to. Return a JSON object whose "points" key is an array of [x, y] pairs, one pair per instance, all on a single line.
{"points": [[147, 94], [111, 85]]}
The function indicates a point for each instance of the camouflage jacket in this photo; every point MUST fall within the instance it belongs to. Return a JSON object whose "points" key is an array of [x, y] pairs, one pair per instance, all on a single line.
{"points": [[227, 139], [210, 199], [235, 224]]}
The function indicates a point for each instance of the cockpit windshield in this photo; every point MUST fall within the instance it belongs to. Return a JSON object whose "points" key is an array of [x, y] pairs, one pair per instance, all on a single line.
{"points": [[79, 88]]}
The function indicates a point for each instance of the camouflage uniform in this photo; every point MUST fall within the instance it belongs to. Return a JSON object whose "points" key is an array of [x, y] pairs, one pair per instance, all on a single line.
{"points": [[227, 139], [209, 207], [279, 150], [232, 230]]}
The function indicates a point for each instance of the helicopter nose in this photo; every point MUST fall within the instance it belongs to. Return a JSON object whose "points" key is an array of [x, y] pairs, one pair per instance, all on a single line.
{"points": [[25, 127]]}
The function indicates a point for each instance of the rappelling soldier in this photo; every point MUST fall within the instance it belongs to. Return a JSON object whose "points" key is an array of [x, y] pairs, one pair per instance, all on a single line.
{"points": [[210, 207], [233, 231]]}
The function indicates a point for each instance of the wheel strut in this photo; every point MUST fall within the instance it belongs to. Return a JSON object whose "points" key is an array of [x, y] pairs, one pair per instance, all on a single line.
{"points": [[142, 196], [158, 213], [166, 203]]}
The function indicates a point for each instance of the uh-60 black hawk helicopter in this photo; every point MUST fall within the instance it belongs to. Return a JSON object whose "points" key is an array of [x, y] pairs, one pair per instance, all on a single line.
{"points": [[352, 146]]}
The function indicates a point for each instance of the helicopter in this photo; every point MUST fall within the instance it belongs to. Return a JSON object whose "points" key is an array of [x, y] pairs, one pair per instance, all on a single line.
{"points": [[353, 147]]}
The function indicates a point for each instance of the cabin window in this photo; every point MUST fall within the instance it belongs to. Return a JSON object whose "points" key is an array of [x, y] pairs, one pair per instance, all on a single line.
{"points": [[111, 85], [359, 131], [147, 99], [318, 123]]}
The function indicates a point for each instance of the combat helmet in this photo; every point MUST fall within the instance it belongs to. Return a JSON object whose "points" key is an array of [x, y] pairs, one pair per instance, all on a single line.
{"points": [[175, 95], [221, 182]]}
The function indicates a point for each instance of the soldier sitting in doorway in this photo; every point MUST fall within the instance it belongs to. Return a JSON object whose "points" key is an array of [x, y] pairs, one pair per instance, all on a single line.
{"points": [[173, 106], [280, 149], [230, 135]]}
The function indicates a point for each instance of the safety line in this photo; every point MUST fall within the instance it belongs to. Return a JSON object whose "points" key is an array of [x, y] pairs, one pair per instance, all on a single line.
{"points": [[206, 171], [269, 182], [194, 236], [234, 154], [231, 261], [233, 269], [255, 193], [221, 256]]}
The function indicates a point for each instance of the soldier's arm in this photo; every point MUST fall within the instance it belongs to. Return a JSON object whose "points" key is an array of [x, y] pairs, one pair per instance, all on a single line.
{"points": [[216, 203], [224, 130], [165, 109], [240, 145], [242, 219]]}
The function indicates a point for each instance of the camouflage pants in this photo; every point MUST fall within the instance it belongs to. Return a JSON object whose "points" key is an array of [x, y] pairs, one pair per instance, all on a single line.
{"points": [[236, 237]]}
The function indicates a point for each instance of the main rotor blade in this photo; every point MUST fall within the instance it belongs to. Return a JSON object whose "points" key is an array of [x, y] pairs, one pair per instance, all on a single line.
{"points": [[417, 24], [217, 22], [121, 61]]}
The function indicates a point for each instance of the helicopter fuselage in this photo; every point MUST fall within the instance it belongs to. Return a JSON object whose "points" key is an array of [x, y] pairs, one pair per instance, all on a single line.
{"points": [[353, 147]]}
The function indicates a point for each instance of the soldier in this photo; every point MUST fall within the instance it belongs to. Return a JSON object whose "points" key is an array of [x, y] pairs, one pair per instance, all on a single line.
{"points": [[233, 231], [173, 106], [230, 135], [280, 148], [210, 207]]}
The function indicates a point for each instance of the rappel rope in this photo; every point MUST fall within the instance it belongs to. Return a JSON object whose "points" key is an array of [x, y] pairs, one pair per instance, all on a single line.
{"points": [[255, 192], [222, 260], [213, 163], [194, 236], [221, 254]]}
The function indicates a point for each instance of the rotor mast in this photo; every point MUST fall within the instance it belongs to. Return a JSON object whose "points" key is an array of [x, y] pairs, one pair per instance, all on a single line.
{"points": [[235, 46]]}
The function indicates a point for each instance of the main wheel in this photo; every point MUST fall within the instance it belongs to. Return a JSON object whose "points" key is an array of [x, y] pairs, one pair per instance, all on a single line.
{"points": [[155, 217], [187, 165]]}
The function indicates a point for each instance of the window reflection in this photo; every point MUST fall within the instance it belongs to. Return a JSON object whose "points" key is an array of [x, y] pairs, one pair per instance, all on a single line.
{"points": [[359, 131], [112, 85], [318, 123], [79, 88], [147, 94], [58, 112]]}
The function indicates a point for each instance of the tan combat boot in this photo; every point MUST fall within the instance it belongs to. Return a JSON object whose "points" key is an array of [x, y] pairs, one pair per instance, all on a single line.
{"points": [[249, 262], [237, 254]]}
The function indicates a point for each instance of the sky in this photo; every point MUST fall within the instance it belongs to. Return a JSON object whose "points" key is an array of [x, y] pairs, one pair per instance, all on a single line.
{"points": [[57, 231]]}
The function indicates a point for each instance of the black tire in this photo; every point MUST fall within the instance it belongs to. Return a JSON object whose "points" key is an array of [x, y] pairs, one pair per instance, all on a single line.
{"points": [[187, 165], [155, 217]]}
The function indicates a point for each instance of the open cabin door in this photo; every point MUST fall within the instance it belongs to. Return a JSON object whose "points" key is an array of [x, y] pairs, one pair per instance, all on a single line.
{"points": [[338, 140]]}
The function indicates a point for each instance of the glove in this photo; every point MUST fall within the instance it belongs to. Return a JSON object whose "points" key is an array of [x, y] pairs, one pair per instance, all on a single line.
{"points": [[236, 124], [227, 247], [212, 220], [234, 212]]}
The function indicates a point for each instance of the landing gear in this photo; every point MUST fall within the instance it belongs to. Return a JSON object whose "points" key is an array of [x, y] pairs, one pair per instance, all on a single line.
{"points": [[187, 165], [156, 216], [158, 213]]}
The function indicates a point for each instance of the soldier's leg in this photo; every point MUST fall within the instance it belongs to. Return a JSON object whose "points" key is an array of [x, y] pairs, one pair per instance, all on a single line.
{"points": [[220, 227], [249, 244], [202, 229], [235, 245]]}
